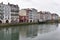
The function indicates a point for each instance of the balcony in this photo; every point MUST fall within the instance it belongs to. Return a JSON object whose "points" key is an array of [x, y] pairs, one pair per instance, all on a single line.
{"points": [[1, 16], [14, 10], [14, 14], [1, 11]]}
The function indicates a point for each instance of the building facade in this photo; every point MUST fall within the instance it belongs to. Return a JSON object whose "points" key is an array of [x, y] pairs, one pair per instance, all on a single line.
{"points": [[41, 16], [44, 16], [5, 13], [54, 16], [47, 16], [29, 14], [33, 15], [23, 17], [14, 12]]}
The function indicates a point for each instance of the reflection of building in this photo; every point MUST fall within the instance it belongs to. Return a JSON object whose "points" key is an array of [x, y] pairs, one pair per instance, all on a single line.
{"points": [[15, 33], [32, 31], [44, 28], [14, 12], [9, 34], [5, 13], [28, 32]]}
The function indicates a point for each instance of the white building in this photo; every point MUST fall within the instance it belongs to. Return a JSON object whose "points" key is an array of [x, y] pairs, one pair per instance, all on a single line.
{"points": [[5, 13], [33, 14], [14, 12]]}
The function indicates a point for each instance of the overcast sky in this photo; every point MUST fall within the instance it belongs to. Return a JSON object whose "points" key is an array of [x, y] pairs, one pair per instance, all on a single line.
{"points": [[42, 5]]}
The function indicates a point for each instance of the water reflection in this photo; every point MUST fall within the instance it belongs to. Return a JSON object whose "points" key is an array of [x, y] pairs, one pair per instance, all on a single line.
{"points": [[45, 28], [26, 32], [9, 34], [32, 31]]}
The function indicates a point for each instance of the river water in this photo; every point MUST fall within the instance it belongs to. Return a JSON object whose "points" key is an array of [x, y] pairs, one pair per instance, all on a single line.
{"points": [[31, 32]]}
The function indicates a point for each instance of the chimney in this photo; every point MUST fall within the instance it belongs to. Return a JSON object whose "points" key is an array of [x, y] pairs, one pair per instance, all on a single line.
{"points": [[1, 2], [8, 3]]}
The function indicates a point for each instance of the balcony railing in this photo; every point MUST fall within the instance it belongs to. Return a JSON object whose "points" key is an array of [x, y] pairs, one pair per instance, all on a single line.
{"points": [[14, 14], [1, 17]]}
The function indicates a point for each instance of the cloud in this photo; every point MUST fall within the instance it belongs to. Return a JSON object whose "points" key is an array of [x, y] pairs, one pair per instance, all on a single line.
{"points": [[45, 5]]}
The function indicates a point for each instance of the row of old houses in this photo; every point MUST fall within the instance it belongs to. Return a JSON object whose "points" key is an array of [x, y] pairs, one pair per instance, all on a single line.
{"points": [[32, 15], [10, 13], [47, 16]]}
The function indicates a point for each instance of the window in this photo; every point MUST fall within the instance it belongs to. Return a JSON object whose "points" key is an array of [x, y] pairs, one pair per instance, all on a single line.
{"points": [[0, 5]]}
